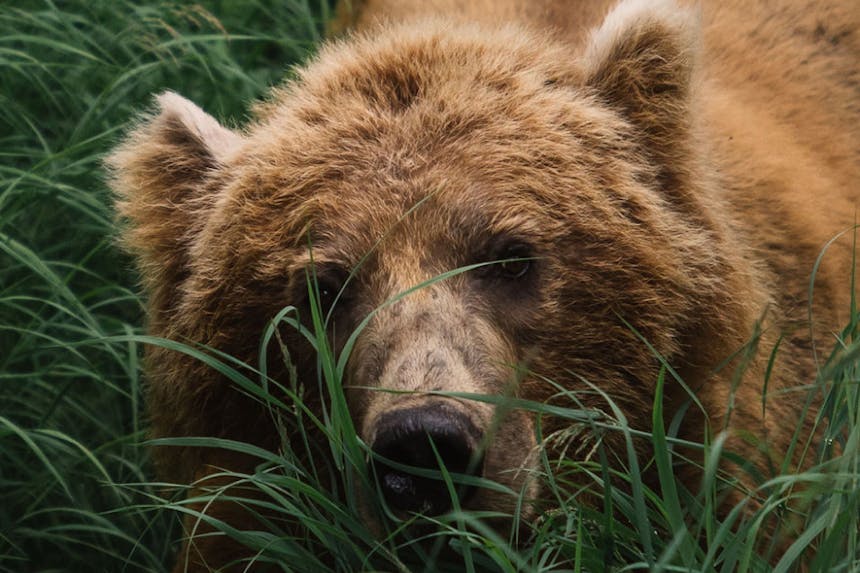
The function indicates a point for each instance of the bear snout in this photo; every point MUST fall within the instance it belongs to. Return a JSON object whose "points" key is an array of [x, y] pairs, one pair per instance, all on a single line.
{"points": [[425, 437]]}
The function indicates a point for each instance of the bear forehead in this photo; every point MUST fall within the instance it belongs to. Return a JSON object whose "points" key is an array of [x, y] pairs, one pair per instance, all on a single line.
{"points": [[399, 102], [427, 192], [451, 217], [484, 144], [502, 155], [407, 65]]}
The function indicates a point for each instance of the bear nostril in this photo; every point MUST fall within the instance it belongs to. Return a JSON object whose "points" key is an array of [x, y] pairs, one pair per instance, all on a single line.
{"points": [[419, 438]]}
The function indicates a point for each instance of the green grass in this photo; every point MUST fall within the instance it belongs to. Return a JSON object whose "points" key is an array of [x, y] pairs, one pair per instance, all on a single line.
{"points": [[75, 491], [76, 488]]}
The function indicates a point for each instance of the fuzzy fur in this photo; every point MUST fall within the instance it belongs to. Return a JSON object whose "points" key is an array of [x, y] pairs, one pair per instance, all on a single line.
{"points": [[675, 171]]}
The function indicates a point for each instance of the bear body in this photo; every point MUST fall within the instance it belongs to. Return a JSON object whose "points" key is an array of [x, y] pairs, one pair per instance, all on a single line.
{"points": [[649, 172]]}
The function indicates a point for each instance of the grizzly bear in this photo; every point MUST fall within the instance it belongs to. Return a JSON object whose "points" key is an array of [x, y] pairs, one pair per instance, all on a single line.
{"points": [[506, 199]]}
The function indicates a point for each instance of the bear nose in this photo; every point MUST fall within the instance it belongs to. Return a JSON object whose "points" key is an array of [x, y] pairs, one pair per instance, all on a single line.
{"points": [[421, 438]]}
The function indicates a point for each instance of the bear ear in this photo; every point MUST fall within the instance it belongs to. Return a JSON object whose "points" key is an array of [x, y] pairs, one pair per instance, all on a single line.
{"points": [[641, 61], [164, 177]]}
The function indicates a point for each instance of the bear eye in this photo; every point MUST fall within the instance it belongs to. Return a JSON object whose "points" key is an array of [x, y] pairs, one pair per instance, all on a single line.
{"points": [[515, 261], [515, 269], [328, 289], [329, 286]]}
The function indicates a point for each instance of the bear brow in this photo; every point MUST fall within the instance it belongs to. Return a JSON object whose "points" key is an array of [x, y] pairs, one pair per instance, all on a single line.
{"points": [[319, 258]]}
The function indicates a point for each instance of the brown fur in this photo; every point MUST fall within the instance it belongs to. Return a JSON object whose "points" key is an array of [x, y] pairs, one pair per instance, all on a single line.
{"points": [[676, 180]]}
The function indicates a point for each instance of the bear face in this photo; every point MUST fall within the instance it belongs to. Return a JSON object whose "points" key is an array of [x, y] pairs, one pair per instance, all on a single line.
{"points": [[565, 202]]}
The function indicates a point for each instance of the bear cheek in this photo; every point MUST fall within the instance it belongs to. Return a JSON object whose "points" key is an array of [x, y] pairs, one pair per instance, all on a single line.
{"points": [[512, 460]]}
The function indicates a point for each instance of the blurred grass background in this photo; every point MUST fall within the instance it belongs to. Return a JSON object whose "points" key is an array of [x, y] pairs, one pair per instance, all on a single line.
{"points": [[72, 75]]}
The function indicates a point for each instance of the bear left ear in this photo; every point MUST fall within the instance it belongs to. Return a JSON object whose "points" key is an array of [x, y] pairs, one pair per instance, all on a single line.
{"points": [[164, 176], [641, 61]]}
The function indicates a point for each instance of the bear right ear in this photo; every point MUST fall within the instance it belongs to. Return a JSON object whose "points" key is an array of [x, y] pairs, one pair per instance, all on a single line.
{"points": [[641, 61], [163, 177]]}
